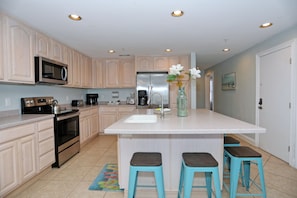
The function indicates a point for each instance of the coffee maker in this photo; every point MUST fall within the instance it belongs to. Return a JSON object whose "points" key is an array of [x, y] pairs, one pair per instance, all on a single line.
{"points": [[92, 99], [142, 97]]}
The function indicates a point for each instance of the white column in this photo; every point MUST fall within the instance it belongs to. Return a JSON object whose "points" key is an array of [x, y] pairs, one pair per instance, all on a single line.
{"points": [[193, 83]]}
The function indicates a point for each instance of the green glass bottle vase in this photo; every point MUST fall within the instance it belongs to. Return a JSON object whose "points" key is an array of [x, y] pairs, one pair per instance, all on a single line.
{"points": [[182, 103]]}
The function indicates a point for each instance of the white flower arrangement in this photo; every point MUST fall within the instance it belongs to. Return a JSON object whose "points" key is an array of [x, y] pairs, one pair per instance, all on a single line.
{"points": [[176, 74]]}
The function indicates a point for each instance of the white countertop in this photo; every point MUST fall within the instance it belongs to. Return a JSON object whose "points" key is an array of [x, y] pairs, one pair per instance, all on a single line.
{"points": [[200, 121], [20, 119]]}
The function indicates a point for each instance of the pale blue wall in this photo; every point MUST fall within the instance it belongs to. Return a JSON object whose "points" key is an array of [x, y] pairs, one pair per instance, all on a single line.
{"points": [[10, 94], [241, 103]]}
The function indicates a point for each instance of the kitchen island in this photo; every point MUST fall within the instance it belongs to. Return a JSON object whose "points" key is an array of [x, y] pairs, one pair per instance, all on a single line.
{"points": [[201, 131]]}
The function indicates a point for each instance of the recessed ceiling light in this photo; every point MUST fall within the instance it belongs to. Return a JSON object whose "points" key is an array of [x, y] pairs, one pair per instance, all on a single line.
{"points": [[168, 50], [111, 51], [226, 50], [177, 13], [265, 25], [74, 17]]}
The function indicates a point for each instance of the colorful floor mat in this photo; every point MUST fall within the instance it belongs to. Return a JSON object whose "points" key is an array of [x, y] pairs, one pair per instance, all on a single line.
{"points": [[107, 180]]}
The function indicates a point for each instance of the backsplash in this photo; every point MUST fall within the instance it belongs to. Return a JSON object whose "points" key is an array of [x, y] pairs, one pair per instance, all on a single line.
{"points": [[10, 95]]}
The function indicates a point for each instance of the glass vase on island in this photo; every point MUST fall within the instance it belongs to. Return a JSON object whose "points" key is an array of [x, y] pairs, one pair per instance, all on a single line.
{"points": [[178, 75]]}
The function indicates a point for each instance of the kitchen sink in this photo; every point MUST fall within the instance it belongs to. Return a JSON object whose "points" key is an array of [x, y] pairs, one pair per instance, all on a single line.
{"points": [[141, 118]]}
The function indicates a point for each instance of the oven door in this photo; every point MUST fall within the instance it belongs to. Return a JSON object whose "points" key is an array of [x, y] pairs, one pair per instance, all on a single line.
{"points": [[66, 128], [66, 137]]}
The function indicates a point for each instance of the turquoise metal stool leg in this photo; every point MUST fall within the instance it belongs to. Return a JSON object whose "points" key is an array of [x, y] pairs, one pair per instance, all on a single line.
{"points": [[208, 176], [234, 174], [159, 181], [188, 181], [246, 176], [209, 167], [217, 185], [261, 175], [181, 180], [132, 182]]}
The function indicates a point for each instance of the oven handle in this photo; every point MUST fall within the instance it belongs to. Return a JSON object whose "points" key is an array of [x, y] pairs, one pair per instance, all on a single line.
{"points": [[60, 118]]}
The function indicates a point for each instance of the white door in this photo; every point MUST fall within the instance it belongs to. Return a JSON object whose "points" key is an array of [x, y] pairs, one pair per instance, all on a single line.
{"points": [[275, 102]]}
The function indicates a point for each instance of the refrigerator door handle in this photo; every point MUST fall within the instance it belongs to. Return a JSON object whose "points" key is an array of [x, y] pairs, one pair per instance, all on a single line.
{"points": [[149, 94]]}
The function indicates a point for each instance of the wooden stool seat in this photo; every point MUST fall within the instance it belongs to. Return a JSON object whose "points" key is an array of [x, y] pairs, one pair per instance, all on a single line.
{"points": [[230, 140], [146, 159]]}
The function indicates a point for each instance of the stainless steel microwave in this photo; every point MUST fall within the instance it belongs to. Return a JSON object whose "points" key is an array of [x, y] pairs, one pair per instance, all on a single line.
{"points": [[49, 71]]}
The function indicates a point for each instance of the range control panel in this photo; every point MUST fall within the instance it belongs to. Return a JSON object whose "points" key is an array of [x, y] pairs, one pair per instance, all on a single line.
{"points": [[36, 101]]}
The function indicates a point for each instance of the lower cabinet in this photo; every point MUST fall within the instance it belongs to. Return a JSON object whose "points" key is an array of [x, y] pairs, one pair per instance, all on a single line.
{"points": [[46, 144], [24, 151], [17, 156], [88, 124], [8, 166], [111, 114], [27, 156]]}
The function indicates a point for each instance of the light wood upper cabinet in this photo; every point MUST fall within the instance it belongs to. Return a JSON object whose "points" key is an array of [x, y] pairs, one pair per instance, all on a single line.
{"points": [[76, 69], [56, 51], [98, 73], [1, 49], [173, 60], [112, 73], [155, 63], [49, 48], [127, 75], [19, 56], [119, 73], [144, 63], [86, 71], [42, 45], [67, 59], [161, 63]]}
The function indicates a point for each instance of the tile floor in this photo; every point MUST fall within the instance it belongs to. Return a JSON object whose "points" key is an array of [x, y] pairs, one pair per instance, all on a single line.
{"points": [[74, 177]]}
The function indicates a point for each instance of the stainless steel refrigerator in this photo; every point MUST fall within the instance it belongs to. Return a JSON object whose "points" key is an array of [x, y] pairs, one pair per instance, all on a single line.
{"points": [[150, 85]]}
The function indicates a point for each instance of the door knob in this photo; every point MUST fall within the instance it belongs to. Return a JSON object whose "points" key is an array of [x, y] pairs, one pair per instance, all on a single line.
{"points": [[260, 103]]}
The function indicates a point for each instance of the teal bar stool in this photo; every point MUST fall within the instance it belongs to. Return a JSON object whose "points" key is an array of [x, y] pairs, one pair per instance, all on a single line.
{"points": [[244, 155], [146, 162], [229, 141], [199, 162]]}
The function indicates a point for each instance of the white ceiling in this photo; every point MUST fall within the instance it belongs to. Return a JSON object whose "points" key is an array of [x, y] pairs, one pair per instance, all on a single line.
{"points": [[145, 27]]}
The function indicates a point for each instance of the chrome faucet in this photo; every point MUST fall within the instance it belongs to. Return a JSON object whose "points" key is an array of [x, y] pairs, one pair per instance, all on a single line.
{"points": [[162, 103]]}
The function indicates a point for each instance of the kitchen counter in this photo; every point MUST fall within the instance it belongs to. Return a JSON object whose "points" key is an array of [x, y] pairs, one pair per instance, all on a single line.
{"points": [[12, 118], [200, 121], [201, 131]]}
